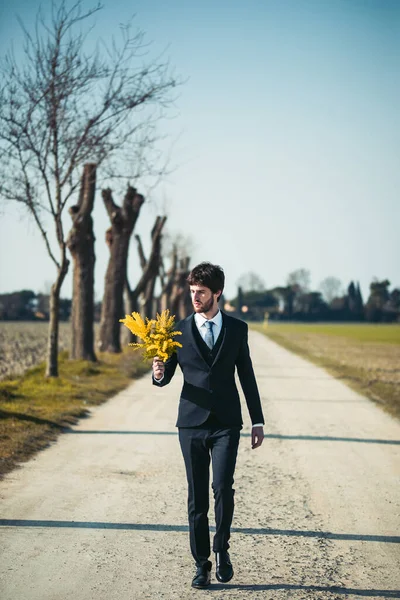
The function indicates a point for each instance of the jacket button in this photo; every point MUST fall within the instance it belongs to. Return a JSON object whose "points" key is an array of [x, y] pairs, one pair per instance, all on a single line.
{"points": [[211, 392]]}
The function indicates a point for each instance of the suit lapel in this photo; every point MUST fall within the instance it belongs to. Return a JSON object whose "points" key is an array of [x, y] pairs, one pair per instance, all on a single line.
{"points": [[190, 337]]}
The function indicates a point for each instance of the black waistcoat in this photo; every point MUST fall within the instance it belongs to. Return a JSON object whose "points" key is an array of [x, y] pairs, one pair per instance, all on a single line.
{"points": [[207, 354]]}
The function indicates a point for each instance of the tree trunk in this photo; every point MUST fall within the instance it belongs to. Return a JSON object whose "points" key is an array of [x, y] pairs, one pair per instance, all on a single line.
{"points": [[148, 299], [165, 300], [151, 269], [81, 245], [118, 236], [184, 304], [175, 295], [52, 342]]}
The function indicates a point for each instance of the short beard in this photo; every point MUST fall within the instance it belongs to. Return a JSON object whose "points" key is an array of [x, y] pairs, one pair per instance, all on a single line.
{"points": [[205, 307]]}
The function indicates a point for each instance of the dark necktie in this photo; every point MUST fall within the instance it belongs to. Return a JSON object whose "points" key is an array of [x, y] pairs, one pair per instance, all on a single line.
{"points": [[209, 337]]}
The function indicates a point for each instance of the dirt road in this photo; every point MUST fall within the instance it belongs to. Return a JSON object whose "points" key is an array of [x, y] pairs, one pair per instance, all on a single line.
{"points": [[101, 514]]}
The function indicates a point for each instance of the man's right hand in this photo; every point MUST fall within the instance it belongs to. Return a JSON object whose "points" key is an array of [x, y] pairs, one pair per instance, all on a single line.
{"points": [[158, 368]]}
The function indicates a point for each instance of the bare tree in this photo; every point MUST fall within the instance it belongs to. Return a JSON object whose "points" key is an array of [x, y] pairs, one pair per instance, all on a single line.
{"points": [[62, 107], [300, 278], [123, 220], [331, 287], [167, 280], [178, 243], [175, 294], [251, 282], [80, 243], [151, 269], [174, 288]]}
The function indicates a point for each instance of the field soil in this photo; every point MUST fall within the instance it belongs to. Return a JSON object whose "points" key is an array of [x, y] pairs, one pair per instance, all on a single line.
{"points": [[23, 345], [102, 512]]}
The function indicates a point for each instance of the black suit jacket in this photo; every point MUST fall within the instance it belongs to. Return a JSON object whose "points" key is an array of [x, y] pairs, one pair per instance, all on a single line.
{"points": [[211, 387]]}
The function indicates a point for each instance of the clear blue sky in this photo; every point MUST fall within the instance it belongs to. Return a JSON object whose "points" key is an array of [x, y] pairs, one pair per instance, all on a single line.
{"points": [[287, 139]]}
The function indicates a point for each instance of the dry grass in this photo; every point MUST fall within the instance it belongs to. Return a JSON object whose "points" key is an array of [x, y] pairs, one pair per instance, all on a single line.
{"points": [[34, 409], [367, 357]]}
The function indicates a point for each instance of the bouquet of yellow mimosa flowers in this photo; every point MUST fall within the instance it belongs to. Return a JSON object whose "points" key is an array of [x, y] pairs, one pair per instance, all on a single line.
{"points": [[157, 334]]}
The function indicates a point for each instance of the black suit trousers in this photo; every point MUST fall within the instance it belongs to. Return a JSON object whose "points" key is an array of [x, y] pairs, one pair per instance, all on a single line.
{"points": [[201, 445]]}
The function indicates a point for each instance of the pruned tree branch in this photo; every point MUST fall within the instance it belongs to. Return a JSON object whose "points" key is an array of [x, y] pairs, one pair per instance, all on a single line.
{"points": [[142, 257]]}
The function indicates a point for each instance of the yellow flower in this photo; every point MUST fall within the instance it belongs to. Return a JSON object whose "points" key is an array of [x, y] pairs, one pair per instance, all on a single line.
{"points": [[157, 334]]}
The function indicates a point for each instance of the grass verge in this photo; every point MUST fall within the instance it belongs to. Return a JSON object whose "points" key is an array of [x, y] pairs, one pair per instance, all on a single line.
{"points": [[365, 357], [34, 410]]}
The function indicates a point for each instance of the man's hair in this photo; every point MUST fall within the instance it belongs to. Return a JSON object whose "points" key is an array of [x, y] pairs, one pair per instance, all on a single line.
{"points": [[209, 275]]}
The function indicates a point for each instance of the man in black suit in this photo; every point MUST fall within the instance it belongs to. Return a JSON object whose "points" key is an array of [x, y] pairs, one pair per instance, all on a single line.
{"points": [[209, 415]]}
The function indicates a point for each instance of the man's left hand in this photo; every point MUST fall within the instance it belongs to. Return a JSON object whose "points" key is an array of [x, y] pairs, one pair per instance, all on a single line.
{"points": [[257, 436]]}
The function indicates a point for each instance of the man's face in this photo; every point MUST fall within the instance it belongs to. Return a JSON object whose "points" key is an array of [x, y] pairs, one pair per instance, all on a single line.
{"points": [[203, 299]]}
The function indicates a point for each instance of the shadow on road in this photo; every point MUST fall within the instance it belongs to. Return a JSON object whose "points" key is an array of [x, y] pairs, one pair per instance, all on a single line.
{"points": [[271, 436], [309, 588], [391, 539]]}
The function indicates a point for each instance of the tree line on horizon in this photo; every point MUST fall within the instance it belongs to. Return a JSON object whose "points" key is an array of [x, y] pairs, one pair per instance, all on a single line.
{"points": [[282, 303], [297, 302]]}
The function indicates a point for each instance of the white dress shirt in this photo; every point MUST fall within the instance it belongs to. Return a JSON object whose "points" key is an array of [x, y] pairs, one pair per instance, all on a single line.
{"points": [[201, 326]]}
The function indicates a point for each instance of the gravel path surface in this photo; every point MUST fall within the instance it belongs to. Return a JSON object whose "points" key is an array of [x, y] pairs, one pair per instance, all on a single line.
{"points": [[101, 514]]}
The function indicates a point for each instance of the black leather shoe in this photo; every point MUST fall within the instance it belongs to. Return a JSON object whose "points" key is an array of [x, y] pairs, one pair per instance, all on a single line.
{"points": [[224, 571], [202, 578]]}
